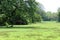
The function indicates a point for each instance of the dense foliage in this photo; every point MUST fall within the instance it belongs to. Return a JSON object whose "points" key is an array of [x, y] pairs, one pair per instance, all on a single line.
{"points": [[16, 12]]}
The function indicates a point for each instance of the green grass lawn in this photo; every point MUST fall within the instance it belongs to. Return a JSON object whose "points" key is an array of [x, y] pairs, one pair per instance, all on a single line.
{"points": [[37, 31]]}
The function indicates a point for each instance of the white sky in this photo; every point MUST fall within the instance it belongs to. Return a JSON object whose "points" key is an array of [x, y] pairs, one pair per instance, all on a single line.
{"points": [[50, 5]]}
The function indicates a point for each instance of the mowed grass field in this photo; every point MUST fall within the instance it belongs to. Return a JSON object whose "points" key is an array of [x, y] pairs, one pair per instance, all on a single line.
{"points": [[37, 31]]}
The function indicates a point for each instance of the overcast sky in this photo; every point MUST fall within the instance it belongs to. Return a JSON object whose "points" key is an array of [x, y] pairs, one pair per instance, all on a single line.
{"points": [[50, 5]]}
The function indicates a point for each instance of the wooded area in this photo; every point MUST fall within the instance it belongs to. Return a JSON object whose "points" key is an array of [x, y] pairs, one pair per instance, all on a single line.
{"points": [[23, 12]]}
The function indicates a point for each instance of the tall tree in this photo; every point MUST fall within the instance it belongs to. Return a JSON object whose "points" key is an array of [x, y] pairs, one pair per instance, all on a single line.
{"points": [[19, 11]]}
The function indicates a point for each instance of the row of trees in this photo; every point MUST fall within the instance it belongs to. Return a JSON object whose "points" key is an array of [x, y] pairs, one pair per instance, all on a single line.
{"points": [[50, 16]]}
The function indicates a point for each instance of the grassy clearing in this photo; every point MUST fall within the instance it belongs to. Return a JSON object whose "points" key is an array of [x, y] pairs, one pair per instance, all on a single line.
{"points": [[42, 31]]}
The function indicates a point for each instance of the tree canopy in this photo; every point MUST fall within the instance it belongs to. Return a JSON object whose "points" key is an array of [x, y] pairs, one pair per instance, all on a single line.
{"points": [[19, 11]]}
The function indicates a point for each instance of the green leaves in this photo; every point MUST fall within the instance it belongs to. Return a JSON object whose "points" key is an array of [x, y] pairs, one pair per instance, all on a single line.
{"points": [[19, 11]]}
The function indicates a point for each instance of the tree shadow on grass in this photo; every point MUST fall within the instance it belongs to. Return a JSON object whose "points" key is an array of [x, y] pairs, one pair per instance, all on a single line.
{"points": [[23, 27], [20, 27]]}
